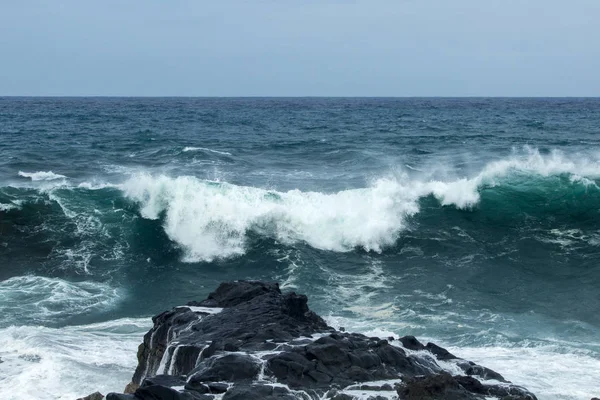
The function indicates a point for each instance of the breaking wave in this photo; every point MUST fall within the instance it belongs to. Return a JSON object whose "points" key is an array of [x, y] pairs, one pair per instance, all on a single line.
{"points": [[211, 220], [41, 175]]}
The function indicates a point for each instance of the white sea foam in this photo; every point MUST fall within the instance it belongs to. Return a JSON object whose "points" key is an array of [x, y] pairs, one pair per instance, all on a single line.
{"points": [[464, 192], [206, 310], [548, 371], [359, 394], [8, 207], [41, 175], [96, 185], [50, 298], [210, 220], [552, 371], [356, 292], [70, 362], [294, 262], [187, 149]]}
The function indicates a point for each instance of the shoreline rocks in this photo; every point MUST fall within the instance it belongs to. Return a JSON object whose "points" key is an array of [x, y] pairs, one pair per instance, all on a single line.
{"points": [[248, 340], [93, 396]]}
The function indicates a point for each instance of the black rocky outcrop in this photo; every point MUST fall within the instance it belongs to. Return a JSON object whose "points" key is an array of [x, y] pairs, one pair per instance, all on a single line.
{"points": [[443, 386], [248, 340]]}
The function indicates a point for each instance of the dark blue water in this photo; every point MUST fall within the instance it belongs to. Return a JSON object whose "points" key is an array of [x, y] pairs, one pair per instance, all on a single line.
{"points": [[474, 222]]}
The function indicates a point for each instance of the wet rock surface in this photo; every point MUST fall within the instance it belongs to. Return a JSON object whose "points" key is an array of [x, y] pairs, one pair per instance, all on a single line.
{"points": [[248, 340], [444, 386], [93, 396]]}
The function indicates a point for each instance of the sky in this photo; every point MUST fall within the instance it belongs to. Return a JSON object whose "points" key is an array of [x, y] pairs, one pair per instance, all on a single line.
{"points": [[300, 48]]}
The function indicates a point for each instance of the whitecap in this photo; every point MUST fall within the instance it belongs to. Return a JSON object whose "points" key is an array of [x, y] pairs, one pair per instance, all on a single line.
{"points": [[41, 175], [189, 148], [96, 185], [210, 220], [8, 207]]}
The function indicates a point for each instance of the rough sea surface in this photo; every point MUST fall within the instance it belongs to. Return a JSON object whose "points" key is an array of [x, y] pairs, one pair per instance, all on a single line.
{"points": [[474, 223]]}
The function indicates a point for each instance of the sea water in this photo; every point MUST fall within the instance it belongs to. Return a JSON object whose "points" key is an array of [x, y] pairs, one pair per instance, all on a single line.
{"points": [[474, 223]]}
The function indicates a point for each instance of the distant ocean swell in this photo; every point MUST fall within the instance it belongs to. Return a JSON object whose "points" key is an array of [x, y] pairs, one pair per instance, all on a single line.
{"points": [[208, 220]]}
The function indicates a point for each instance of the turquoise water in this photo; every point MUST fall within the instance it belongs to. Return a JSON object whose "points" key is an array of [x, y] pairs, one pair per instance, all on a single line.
{"points": [[473, 222]]}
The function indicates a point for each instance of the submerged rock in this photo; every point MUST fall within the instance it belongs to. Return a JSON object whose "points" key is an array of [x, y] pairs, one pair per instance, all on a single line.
{"points": [[248, 340]]}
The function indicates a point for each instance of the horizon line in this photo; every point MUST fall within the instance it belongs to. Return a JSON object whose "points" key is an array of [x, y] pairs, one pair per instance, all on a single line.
{"points": [[300, 97]]}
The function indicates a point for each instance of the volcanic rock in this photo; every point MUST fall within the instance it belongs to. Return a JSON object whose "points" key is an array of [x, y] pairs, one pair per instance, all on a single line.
{"points": [[248, 340]]}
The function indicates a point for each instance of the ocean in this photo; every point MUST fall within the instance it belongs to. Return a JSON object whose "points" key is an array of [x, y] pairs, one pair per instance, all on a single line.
{"points": [[471, 222]]}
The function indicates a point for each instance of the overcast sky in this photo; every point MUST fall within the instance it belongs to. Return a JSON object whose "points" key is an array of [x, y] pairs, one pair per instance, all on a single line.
{"points": [[300, 48]]}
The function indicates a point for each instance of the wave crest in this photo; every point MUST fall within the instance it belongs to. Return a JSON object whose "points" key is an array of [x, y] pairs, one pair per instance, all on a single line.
{"points": [[41, 175], [210, 220]]}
